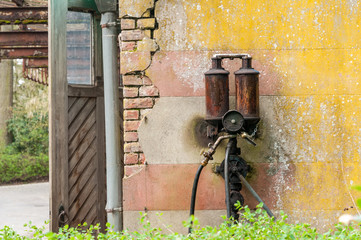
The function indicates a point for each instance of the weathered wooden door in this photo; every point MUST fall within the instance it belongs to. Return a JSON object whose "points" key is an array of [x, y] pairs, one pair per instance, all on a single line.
{"points": [[86, 157], [77, 141]]}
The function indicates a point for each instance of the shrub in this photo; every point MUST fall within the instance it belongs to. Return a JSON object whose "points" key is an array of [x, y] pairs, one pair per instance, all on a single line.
{"points": [[26, 158], [30, 133], [23, 167], [253, 225]]}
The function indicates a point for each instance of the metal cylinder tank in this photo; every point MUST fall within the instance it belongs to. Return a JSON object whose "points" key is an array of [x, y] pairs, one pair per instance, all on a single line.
{"points": [[247, 91], [217, 92]]}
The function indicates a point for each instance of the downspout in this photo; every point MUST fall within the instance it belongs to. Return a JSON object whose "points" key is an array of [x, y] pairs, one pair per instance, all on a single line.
{"points": [[114, 166]]}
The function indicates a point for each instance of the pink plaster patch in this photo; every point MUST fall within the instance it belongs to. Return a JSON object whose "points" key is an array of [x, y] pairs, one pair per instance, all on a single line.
{"points": [[169, 186], [181, 73]]}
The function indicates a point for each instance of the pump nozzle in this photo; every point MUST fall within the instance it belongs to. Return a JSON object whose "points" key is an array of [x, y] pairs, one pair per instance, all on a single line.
{"points": [[208, 155]]}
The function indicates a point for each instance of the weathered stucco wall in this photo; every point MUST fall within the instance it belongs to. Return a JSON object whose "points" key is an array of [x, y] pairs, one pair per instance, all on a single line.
{"points": [[308, 152]]}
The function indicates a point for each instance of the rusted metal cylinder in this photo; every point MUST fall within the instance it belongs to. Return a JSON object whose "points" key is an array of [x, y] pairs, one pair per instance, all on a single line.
{"points": [[247, 91], [217, 92]]}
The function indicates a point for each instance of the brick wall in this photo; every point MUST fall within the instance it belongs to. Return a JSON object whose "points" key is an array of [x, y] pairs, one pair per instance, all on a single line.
{"points": [[137, 46]]}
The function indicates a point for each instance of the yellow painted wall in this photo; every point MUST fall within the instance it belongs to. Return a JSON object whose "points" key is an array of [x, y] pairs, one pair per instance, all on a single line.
{"points": [[312, 114]]}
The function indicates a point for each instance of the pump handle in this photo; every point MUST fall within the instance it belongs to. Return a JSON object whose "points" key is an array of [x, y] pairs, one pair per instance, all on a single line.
{"points": [[248, 138]]}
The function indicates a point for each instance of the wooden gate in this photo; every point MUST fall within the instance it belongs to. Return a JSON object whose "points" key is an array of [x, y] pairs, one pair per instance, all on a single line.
{"points": [[78, 188], [77, 137], [86, 157]]}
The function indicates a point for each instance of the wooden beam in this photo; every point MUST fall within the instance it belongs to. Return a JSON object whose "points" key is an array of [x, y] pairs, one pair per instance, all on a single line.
{"points": [[58, 111], [30, 52], [24, 15], [36, 63], [86, 91], [23, 38]]}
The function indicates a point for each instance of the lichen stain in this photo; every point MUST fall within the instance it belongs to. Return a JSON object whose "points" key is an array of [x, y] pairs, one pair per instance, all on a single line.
{"points": [[208, 25]]}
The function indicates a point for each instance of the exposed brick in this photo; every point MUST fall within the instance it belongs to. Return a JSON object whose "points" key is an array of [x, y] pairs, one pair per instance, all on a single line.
{"points": [[141, 158], [148, 91], [127, 24], [144, 112], [134, 8], [132, 147], [132, 169], [131, 125], [146, 23], [147, 81], [128, 46], [129, 92], [130, 136], [131, 158], [138, 103], [146, 14], [147, 33], [134, 61], [131, 114], [147, 44], [132, 80], [132, 35]]}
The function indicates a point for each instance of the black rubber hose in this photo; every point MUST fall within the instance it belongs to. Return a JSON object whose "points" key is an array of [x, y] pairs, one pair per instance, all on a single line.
{"points": [[226, 179], [194, 193]]}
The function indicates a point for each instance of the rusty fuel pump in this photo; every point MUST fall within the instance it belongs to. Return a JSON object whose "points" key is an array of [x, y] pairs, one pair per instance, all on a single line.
{"points": [[229, 124]]}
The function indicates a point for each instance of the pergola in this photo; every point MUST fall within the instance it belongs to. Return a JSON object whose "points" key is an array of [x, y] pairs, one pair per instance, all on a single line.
{"points": [[27, 36]]}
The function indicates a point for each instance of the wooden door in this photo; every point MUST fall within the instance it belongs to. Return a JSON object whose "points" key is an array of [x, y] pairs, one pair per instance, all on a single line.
{"points": [[86, 156], [77, 141]]}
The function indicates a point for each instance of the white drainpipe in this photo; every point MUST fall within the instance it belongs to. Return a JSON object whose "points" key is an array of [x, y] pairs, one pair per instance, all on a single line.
{"points": [[114, 165]]}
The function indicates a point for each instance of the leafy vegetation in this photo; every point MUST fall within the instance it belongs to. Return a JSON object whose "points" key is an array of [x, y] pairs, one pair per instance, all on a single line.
{"points": [[26, 157], [23, 167], [254, 225]]}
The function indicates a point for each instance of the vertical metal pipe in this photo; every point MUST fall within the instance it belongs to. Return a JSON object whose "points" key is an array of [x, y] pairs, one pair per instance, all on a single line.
{"points": [[226, 179], [269, 212], [114, 165]]}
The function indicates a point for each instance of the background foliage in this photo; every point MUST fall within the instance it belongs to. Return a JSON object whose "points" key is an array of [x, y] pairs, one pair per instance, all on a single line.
{"points": [[26, 157]]}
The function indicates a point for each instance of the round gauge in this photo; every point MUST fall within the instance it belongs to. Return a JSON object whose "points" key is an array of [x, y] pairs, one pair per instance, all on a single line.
{"points": [[232, 121]]}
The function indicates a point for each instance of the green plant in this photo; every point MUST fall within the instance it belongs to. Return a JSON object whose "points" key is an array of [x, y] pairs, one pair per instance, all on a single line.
{"points": [[26, 157], [30, 133], [23, 167], [253, 225]]}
